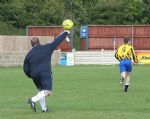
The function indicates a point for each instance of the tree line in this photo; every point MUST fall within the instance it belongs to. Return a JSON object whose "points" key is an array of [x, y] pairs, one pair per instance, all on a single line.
{"points": [[16, 15]]}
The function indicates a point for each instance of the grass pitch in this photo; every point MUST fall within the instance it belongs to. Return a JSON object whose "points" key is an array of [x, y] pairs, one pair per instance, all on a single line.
{"points": [[79, 92]]}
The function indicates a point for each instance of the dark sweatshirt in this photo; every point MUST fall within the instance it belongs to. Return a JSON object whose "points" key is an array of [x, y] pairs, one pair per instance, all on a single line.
{"points": [[38, 58]]}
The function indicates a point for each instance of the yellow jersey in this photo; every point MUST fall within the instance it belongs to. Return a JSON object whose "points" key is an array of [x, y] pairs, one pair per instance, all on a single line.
{"points": [[126, 51]]}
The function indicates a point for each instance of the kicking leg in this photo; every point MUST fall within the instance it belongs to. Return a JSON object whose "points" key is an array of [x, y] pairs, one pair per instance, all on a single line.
{"points": [[39, 97], [43, 104], [44, 85]]}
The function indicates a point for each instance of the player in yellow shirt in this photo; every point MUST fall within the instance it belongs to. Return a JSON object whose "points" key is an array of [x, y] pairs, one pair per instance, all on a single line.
{"points": [[126, 54]]}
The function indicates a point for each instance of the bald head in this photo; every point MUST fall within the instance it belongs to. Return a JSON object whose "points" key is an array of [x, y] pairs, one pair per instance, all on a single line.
{"points": [[35, 41]]}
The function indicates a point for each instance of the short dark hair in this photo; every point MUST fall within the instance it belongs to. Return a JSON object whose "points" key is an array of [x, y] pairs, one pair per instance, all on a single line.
{"points": [[35, 41], [126, 40]]}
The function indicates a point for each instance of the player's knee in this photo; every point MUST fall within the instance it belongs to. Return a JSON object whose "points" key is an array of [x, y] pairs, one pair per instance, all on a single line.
{"points": [[48, 93], [123, 74]]}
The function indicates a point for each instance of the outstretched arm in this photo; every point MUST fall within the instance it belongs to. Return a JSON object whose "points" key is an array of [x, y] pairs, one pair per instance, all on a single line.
{"points": [[59, 39]]}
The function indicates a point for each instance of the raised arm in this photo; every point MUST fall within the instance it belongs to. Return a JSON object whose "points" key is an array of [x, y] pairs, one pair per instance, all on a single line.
{"points": [[59, 39], [67, 26]]}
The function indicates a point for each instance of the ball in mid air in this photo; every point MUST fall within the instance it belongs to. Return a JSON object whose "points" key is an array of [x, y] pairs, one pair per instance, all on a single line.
{"points": [[67, 24]]}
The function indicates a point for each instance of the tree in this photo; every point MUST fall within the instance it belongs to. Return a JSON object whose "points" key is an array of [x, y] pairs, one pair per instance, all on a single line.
{"points": [[118, 12], [21, 13]]}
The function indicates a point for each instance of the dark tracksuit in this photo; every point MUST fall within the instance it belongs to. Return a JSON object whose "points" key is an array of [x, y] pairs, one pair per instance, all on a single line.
{"points": [[37, 63]]}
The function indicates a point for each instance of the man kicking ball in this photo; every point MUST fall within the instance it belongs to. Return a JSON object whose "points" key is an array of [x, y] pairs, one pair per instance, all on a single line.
{"points": [[37, 66]]}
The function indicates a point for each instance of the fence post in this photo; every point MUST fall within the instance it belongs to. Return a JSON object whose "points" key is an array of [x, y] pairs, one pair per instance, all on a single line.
{"points": [[73, 51], [132, 35], [102, 51], [114, 49], [59, 55]]}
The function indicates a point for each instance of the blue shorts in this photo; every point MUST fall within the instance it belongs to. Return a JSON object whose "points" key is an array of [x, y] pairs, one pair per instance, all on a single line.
{"points": [[43, 81], [125, 65]]}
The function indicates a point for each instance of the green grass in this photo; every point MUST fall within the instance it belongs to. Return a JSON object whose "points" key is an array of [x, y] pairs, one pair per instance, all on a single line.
{"points": [[79, 92]]}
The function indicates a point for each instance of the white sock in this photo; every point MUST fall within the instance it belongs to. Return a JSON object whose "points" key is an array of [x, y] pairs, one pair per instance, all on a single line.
{"points": [[127, 82], [42, 103], [39, 96]]}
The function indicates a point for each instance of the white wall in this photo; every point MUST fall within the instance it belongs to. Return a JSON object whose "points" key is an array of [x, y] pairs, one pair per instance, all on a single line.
{"points": [[95, 57]]}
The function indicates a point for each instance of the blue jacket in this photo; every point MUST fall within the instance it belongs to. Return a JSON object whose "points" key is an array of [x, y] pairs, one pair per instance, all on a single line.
{"points": [[38, 58]]}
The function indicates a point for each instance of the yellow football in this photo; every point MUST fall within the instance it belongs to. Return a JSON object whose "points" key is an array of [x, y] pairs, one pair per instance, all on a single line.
{"points": [[67, 24]]}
